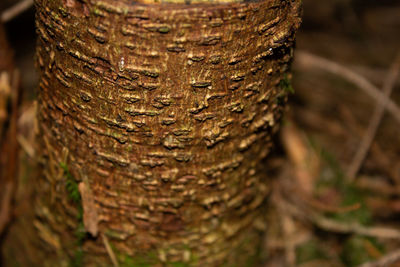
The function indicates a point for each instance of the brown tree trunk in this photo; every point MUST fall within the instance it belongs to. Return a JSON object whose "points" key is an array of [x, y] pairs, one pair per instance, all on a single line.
{"points": [[155, 119]]}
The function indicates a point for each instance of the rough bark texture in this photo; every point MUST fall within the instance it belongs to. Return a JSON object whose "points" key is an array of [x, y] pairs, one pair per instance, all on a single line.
{"points": [[162, 114]]}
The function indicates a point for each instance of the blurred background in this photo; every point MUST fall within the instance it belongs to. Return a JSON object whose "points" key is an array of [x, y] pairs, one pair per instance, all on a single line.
{"points": [[336, 195]]}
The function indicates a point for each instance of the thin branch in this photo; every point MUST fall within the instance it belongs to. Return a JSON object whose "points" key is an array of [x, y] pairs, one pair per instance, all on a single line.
{"points": [[374, 122], [109, 250], [306, 59], [15, 10], [377, 185], [339, 227], [386, 260], [293, 204]]}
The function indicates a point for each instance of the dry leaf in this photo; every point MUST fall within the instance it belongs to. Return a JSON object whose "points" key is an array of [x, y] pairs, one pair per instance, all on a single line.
{"points": [[90, 216]]}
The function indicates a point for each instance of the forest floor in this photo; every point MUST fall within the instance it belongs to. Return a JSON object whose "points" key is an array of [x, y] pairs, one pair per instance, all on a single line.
{"points": [[335, 199], [338, 187]]}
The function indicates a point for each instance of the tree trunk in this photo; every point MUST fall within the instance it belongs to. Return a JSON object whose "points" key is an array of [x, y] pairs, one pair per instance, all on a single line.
{"points": [[155, 119]]}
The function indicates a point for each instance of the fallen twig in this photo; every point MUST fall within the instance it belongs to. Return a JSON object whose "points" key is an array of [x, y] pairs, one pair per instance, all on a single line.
{"points": [[377, 185], [295, 205], [384, 158], [374, 122], [291, 236], [289, 230], [339, 227], [386, 260], [305, 59], [296, 239], [109, 250], [15, 10], [314, 203]]}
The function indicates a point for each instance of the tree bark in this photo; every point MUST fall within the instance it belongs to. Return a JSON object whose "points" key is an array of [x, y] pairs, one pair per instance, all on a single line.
{"points": [[155, 119]]}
